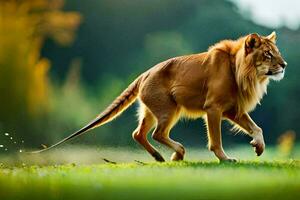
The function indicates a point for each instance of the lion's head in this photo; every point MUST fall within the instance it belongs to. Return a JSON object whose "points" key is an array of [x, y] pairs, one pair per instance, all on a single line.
{"points": [[262, 54], [257, 60]]}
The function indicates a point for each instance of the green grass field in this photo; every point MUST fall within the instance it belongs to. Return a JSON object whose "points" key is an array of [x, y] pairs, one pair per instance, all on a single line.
{"points": [[253, 178]]}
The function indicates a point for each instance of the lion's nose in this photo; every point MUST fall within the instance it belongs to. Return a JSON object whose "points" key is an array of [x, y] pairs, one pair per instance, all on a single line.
{"points": [[283, 65]]}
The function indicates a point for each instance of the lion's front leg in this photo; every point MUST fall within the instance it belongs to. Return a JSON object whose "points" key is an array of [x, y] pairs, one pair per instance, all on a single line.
{"points": [[246, 123], [214, 117]]}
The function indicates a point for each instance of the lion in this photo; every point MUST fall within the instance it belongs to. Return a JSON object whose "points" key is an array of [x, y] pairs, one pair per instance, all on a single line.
{"points": [[225, 82]]}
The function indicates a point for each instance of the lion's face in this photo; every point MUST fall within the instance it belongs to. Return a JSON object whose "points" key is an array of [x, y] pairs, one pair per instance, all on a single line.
{"points": [[265, 56]]}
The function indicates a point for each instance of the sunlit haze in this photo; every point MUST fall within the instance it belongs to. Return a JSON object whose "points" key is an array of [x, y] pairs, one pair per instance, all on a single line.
{"points": [[272, 13]]}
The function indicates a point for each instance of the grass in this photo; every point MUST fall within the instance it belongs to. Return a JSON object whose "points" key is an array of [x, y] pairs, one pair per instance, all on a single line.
{"points": [[252, 179]]}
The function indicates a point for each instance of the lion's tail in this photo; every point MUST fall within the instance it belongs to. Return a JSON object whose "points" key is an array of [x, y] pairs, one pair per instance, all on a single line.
{"points": [[122, 102]]}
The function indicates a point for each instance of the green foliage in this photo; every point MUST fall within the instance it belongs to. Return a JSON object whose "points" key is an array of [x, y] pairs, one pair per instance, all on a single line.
{"points": [[122, 40], [161, 45], [117, 41], [72, 106]]}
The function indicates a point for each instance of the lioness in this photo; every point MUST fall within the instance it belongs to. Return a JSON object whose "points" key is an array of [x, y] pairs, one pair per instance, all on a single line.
{"points": [[226, 82]]}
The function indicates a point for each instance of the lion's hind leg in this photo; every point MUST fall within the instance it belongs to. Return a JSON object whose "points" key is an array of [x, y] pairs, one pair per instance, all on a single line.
{"points": [[146, 123], [167, 114]]}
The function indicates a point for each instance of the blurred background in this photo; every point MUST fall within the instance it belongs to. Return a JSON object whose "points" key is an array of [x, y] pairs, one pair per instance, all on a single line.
{"points": [[63, 61]]}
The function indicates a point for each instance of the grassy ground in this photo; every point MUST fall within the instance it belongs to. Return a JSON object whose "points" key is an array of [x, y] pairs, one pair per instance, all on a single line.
{"points": [[262, 178]]}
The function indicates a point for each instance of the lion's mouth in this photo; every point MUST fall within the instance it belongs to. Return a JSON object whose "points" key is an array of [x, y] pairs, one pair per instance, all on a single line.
{"points": [[270, 73], [277, 76]]}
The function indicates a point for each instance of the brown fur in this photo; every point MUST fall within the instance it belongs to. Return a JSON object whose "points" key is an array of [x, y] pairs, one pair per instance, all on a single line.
{"points": [[227, 82]]}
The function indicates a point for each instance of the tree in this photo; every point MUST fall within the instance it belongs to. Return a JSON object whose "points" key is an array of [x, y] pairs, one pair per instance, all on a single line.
{"points": [[24, 82]]}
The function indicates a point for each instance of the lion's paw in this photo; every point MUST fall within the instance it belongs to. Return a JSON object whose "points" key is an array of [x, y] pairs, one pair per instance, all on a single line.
{"points": [[259, 145]]}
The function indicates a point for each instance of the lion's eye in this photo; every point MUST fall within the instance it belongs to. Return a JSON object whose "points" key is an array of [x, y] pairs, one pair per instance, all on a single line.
{"points": [[268, 54]]}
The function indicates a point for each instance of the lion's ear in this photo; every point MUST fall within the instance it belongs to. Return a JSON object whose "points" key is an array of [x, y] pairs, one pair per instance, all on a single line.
{"points": [[252, 41], [272, 37]]}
